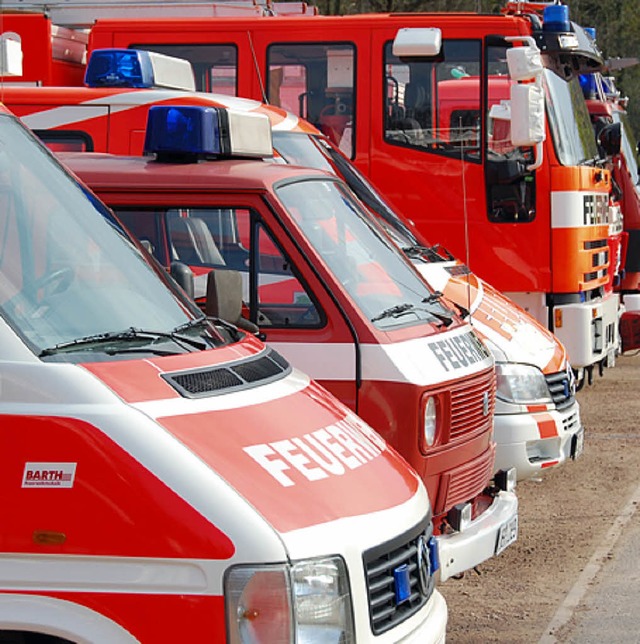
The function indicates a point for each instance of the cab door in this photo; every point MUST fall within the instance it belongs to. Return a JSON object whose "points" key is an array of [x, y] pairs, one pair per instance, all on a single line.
{"points": [[282, 294]]}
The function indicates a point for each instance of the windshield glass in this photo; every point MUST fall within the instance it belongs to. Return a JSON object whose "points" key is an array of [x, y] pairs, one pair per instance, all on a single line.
{"points": [[569, 120], [66, 271], [360, 256], [628, 144], [315, 152]]}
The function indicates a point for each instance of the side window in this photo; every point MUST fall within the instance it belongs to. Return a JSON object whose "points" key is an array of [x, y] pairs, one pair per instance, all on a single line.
{"points": [[215, 66], [316, 81], [66, 141], [230, 238], [434, 103], [147, 226]]}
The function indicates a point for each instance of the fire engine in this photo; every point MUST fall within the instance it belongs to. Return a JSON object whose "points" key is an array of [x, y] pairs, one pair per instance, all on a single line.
{"points": [[536, 426], [330, 292], [610, 120], [530, 219], [168, 476]]}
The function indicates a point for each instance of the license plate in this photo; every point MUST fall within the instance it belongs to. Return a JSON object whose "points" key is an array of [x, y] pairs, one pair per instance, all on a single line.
{"points": [[577, 443], [507, 535]]}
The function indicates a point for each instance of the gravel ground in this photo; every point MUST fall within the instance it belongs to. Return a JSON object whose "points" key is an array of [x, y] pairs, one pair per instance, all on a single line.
{"points": [[564, 516]]}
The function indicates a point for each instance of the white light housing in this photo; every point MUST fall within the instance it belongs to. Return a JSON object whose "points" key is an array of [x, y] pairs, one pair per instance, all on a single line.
{"points": [[430, 421], [414, 41], [10, 55]]}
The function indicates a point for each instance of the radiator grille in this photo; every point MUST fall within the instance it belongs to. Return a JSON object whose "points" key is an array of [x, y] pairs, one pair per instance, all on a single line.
{"points": [[562, 388], [472, 404], [381, 562], [267, 367], [465, 483]]}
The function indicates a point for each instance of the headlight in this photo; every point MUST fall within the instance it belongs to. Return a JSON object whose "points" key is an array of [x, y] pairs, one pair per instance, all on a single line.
{"points": [[430, 421], [522, 384], [306, 602]]}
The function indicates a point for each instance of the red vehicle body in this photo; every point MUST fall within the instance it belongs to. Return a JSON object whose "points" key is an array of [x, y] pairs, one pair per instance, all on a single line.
{"points": [[339, 338], [170, 477], [460, 468], [525, 234], [607, 109]]}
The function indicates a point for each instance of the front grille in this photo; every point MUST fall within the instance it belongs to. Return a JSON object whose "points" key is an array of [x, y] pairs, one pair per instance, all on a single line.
{"points": [[235, 376], [380, 563], [561, 388], [472, 404], [466, 482]]}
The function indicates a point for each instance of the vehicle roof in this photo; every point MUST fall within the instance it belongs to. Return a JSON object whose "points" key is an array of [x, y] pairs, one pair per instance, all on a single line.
{"points": [[114, 173]]}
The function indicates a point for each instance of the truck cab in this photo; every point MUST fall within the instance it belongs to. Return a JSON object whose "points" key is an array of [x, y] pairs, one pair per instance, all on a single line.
{"points": [[329, 290]]}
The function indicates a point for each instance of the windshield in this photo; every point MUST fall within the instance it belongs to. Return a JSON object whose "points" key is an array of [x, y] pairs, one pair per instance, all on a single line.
{"points": [[315, 152], [360, 256], [569, 120], [628, 144], [66, 271]]}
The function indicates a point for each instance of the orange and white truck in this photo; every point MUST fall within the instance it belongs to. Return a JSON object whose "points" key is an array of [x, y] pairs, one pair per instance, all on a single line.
{"points": [[168, 476], [531, 220]]}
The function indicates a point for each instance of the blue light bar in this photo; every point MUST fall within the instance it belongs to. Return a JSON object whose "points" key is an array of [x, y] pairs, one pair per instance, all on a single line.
{"points": [[119, 68], [138, 68], [556, 18], [185, 130]]}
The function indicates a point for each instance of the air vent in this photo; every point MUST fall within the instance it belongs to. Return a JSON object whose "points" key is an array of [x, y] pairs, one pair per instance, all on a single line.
{"points": [[234, 376]]}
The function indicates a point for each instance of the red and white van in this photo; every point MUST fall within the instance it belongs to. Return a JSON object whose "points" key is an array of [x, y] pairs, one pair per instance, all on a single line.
{"points": [[330, 291], [168, 476]]}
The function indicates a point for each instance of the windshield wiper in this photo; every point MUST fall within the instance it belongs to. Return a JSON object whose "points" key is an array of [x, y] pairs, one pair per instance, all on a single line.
{"points": [[402, 309], [429, 253], [128, 335]]}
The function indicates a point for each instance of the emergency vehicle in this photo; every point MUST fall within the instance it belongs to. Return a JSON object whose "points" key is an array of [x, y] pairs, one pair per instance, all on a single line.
{"points": [[328, 289], [536, 426], [608, 114], [531, 220], [537, 417], [168, 476]]}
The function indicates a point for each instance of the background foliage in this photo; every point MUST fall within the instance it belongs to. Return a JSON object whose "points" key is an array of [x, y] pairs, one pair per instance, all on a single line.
{"points": [[617, 24]]}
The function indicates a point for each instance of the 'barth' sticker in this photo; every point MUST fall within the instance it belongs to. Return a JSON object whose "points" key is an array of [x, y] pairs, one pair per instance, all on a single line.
{"points": [[49, 474]]}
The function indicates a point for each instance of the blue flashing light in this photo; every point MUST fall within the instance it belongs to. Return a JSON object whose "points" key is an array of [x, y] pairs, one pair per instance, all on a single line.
{"points": [[186, 130], [434, 554], [591, 32], [588, 85], [402, 583], [119, 68], [556, 18]]}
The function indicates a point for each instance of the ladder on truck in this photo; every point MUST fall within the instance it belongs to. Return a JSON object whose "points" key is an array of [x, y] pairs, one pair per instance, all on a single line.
{"points": [[81, 14]]}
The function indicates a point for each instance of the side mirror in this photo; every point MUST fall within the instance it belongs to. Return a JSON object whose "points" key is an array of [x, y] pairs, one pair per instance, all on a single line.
{"points": [[224, 298], [183, 275], [610, 139], [527, 114]]}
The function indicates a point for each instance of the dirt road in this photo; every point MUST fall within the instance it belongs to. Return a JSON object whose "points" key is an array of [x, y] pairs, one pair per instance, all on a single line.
{"points": [[564, 516]]}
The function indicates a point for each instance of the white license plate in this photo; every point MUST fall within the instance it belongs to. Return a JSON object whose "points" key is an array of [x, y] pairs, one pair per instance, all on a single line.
{"points": [[507, 535], [577, 444]]}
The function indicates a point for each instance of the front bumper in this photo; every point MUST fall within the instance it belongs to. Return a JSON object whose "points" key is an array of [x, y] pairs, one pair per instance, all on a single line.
{"points": [[534, 441], [461, 551]]}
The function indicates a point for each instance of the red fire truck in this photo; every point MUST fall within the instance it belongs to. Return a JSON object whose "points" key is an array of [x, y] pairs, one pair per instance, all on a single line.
{"points": [[168, 476], [535, 230]]}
